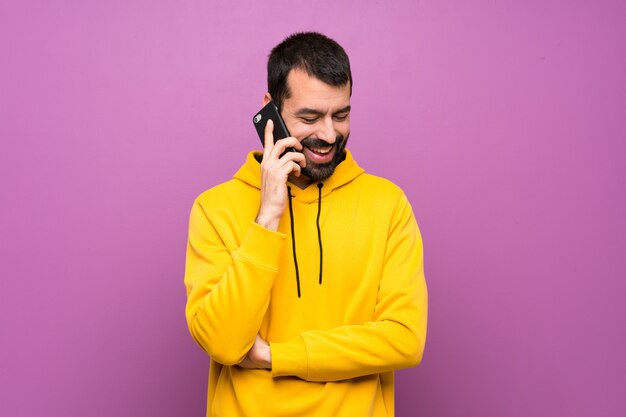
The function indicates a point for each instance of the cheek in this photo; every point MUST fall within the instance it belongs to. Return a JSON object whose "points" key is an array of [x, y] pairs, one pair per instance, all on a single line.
{"points": [[343, 129], [302, 132]]}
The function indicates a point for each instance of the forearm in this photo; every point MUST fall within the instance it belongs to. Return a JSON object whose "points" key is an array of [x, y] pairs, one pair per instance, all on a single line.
{"points": [[348, 351], [225, 319], [228, 294], [395, 336]]}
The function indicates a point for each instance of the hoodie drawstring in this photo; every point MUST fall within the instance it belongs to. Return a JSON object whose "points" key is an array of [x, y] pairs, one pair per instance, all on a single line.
{"points": [[319, 232], [293, 233], [293, 240]]}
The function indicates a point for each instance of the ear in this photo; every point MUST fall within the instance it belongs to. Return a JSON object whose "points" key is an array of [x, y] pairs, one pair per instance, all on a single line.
{"points": [[266, 98]]}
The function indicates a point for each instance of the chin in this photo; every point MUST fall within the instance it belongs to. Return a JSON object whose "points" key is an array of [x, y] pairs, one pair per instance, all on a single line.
{"points": [[321, 172]]}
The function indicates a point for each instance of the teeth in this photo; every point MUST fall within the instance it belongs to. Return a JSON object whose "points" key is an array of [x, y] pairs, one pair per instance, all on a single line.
{"points": [[322, 150]]}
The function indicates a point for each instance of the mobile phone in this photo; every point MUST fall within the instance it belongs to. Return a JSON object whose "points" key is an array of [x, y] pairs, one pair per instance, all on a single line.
{"points": [[270, 111]]}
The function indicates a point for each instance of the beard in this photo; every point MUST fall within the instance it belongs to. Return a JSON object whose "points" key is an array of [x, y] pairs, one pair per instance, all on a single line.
{"points": [[321, 172]]}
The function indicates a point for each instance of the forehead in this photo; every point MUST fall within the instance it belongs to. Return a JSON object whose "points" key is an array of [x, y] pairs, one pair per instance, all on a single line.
{"points": [[308, 91]]}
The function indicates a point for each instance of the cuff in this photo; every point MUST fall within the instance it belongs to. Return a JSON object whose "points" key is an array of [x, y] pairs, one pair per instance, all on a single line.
{"points": [[262, 246], [290, 358]]}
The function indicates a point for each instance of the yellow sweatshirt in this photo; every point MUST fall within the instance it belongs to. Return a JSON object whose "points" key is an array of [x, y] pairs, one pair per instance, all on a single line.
{"points": [[334, 344]]}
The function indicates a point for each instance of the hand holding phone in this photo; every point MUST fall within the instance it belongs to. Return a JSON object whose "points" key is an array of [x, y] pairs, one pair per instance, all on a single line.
{"points": [[277, 165], [270, 112]]}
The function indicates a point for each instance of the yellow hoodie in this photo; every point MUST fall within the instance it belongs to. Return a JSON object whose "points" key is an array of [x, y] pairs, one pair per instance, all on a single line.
{"points": [[334, 344]]}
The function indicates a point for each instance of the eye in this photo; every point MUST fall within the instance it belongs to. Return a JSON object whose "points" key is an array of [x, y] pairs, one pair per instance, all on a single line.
{"points": [[309, 120], [341, 117]]}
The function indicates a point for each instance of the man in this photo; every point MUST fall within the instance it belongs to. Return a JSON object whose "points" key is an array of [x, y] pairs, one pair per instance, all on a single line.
{"points": [[304, 275]]}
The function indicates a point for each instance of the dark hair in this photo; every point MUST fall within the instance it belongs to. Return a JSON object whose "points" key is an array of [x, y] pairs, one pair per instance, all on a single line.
{"points": [[318, 55]]}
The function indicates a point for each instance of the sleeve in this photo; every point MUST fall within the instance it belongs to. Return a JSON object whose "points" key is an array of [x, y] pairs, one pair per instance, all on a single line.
{"points": [[228, 293], [395, 337]]}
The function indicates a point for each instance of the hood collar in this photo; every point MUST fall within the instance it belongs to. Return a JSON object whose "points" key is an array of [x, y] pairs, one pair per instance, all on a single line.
{"points": [[346, 171]]}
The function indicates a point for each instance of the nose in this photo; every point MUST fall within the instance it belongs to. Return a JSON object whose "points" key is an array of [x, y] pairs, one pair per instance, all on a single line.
{"points": [[327, 131]]}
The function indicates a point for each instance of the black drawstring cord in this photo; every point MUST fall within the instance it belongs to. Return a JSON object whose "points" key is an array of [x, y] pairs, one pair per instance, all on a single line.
{"points": [[293, 233], [293, 240], [319, 232]]}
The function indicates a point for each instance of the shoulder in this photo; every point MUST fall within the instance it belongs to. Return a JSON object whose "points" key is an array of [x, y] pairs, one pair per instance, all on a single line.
{"points": [[207, 196], [221, 195], [375, 195], [379, 187], [387, 196]]}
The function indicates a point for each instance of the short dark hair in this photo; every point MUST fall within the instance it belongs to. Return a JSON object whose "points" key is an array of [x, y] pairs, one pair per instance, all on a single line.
{"points": [[318, 55]]}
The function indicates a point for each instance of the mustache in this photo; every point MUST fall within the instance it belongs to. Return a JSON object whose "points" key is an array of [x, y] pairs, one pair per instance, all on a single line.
{"points": [[318, 143]]}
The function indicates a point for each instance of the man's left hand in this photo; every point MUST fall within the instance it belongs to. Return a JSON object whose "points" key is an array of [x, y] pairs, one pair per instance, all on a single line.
{"points": [[259, 356]]}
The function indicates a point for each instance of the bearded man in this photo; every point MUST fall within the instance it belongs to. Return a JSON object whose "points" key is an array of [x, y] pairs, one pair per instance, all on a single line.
{"points": [[304, 274]]}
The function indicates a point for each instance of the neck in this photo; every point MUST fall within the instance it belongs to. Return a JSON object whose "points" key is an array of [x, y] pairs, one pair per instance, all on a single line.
{"points": [[301, 182]]}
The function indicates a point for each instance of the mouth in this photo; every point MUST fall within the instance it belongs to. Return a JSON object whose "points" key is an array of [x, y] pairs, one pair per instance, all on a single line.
{"points": [[319, 154]]}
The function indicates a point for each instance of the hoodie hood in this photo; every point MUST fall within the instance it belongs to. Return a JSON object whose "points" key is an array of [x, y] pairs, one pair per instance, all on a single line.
{"points": [[346, 171]]}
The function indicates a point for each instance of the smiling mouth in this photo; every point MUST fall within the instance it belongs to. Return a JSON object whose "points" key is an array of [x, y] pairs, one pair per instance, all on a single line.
{"points": [[319, 154], [320, 150]]}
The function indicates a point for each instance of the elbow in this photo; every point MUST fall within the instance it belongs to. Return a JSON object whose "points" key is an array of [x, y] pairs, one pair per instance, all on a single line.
{"points": [[227, 357], [224, 350], [416, 356], [411, 349]]}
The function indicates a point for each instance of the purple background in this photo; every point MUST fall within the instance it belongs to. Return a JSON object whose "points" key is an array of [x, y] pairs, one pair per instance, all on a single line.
{"points": [[504, 122]]}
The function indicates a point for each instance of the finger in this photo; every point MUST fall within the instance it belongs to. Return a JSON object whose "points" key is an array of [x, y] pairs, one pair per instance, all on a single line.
{"points": [[297, 170], [297, 145], [291, 167], [245, 363], [285, 164], [296, 157], [282, 145], [269, 138]]}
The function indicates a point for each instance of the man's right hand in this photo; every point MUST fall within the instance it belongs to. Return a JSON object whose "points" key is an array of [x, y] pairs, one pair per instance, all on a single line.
{"points": [[275, 171]]}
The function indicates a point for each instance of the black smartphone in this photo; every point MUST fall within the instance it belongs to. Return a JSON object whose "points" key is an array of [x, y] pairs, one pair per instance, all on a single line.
{"points": [[270, 111]]}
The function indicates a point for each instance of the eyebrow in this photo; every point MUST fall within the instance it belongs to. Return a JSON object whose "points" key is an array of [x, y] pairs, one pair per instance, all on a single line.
{"points": [[313, 112]]}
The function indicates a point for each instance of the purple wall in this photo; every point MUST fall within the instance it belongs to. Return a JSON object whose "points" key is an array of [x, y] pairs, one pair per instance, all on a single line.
{"points": [[505, 123]]}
